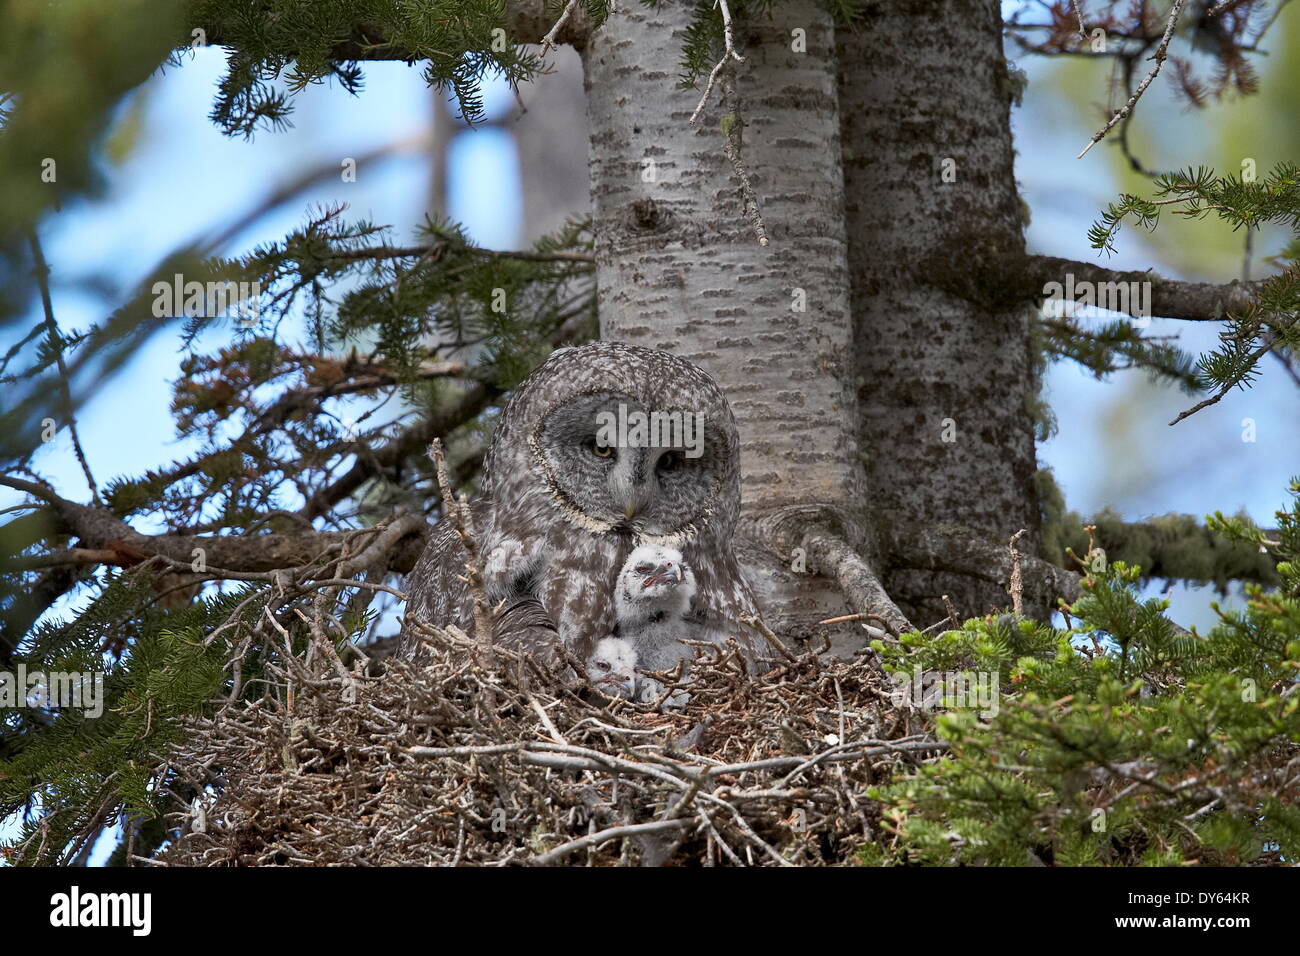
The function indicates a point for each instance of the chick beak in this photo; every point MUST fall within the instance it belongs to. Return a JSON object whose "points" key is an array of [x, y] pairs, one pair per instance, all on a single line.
{"points": [[663, 574]]}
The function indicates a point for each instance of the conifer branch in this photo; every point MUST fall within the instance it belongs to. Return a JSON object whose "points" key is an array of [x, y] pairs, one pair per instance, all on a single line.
{"points": [[406, 445], [1270, 341], [121, 545], [1166, 547], [526, 21], [415, 252]]}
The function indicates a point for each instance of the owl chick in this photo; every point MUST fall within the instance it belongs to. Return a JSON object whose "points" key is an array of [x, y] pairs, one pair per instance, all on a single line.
{"points": [[651, 601], [612, 668]]}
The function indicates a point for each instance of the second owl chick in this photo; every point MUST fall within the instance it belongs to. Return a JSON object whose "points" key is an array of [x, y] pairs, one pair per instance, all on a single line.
{"points": [[612, 668]]}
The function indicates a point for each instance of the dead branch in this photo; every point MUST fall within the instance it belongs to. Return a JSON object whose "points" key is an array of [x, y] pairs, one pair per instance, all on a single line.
{"points": [[729, 54], [548, 41], [56, 343], [244, 557], [1016, 586]]}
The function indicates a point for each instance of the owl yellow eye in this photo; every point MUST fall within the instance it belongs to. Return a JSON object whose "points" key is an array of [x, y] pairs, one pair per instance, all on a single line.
{"points": [[601, 451]]}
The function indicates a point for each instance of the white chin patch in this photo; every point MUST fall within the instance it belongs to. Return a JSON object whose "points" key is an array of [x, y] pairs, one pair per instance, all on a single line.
{"points": [[673, 539]]}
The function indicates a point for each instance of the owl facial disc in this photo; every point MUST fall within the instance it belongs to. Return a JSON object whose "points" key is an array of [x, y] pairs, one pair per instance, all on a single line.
{"points": [[618, 468]]}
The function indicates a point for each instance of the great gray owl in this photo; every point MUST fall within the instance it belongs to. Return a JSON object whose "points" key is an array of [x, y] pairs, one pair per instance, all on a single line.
{"points": [[573, 482]]}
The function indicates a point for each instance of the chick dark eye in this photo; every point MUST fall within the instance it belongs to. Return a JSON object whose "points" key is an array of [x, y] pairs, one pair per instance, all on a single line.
{"points": [[670, 461], [603, 665], [644, 568]]}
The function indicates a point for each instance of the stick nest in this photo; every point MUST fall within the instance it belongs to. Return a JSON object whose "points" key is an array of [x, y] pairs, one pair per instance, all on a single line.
{"points": [[479, 756]]}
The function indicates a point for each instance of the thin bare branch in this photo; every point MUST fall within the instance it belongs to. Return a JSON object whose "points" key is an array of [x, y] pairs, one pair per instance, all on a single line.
{"points": [[56, 343], [729, 55], [1159, 56], [548, 41], [462, 522]]}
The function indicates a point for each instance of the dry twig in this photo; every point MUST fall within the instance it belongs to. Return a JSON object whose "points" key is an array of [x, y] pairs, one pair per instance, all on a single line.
{"points": [[1016, 587], [729, 55], [1159, 56], [462, 522], [478, 756]]}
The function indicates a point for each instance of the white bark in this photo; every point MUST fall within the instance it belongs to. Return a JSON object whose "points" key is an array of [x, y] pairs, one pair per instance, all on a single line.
{"points": [[679, 268]]}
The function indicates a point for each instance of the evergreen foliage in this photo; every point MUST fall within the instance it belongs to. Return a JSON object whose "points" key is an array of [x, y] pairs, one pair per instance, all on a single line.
{"points": [[68, 773], [1114, 346], [1269, 323], [1118, 740], [298, 41]]}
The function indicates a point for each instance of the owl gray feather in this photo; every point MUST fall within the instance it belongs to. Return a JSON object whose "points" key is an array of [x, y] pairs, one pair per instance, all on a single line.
{"points": [[561, 512]]}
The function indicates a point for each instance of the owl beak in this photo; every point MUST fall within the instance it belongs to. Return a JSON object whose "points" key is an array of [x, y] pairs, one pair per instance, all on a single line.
{"points": [[630, 510]]}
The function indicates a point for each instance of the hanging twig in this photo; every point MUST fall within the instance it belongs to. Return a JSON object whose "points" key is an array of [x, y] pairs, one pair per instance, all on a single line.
{"points": [[729, 54], [732, 128], [462, 522], [56, 343], [1159, 56]]}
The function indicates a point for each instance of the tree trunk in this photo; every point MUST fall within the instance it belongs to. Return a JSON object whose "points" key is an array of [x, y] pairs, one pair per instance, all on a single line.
{"points": [[679, 267], [945, 383], [552, 120]]}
